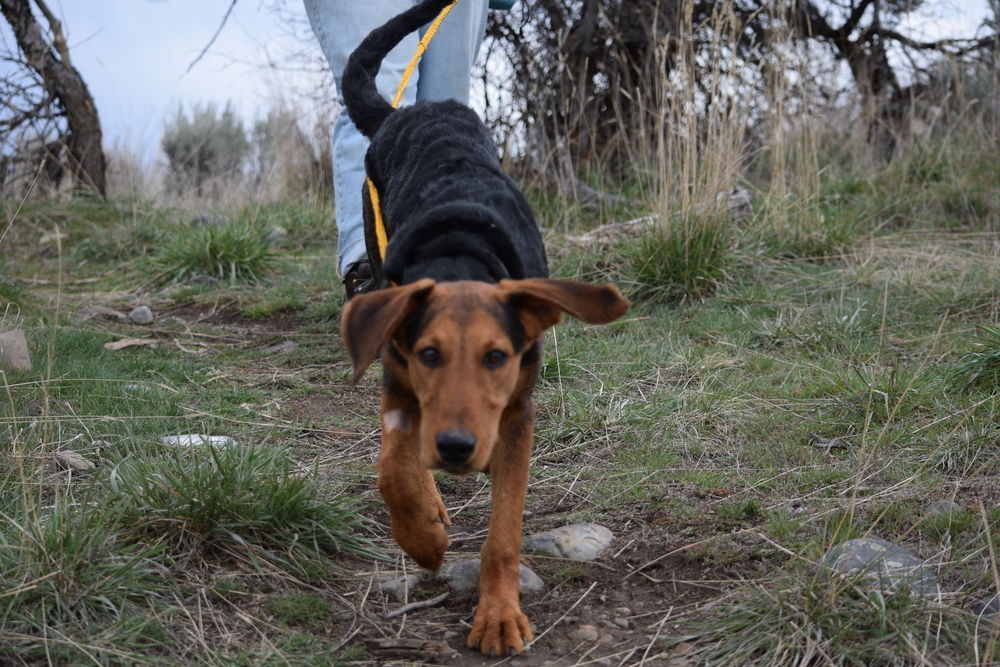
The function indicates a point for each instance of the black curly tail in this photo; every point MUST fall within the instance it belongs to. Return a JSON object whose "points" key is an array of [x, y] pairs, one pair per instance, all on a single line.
{"points": [[367, 109]]}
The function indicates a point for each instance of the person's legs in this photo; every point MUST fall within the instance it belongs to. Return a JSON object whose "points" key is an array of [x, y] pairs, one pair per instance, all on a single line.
{"points": [[340, 25], [446, 67]]}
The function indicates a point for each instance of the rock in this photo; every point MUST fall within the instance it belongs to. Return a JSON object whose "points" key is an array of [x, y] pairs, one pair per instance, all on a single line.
{"points": [[621, 622], [623, 611], [72, 462], [585, 633], [141, 315], [395, 585], [882, 564], [100, 311], [988, 607], [196, 439], [464, 575], [606, 639], [946, 508], [14, 356], [579, 541], [285, 346], [277, 237]]}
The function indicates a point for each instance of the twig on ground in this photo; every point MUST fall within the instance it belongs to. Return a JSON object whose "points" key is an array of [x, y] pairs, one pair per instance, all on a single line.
{"points": [[407, 608]]}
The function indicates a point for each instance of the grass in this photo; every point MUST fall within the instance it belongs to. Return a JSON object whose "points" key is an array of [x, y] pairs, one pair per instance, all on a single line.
{"points": [[864, 311]]}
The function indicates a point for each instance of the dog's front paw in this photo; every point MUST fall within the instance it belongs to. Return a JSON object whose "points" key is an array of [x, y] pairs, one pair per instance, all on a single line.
{"points": [[499, 629], [422, 537]]}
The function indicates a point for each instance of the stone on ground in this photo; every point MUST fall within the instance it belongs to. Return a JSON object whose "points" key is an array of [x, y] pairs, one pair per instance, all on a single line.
{"points": [[579, 541]]}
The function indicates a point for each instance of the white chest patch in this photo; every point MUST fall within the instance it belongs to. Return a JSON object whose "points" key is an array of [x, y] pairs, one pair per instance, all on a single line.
{"points": [[396, 419]]}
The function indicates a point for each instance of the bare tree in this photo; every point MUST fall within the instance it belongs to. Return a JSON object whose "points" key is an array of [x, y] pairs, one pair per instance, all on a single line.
{"points": [[47, 89]]}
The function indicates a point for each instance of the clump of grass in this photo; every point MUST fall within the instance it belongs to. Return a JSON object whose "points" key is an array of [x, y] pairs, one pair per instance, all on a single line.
{"points": [[243, 501], [73, 593], [803, 620], [680, 262], [980, 367], [234, 252]]}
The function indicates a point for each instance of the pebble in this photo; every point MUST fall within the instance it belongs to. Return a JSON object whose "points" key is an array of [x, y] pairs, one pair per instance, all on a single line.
{"points": [[881, 564], [14, 354], [622, 623], [579, 541], [585, 633], [606, 639], [196, 439], [464, 575], [141, 315], [395, 585], [623, 611], [944, 508], [73, 462], [285, 346], [277, 237]]}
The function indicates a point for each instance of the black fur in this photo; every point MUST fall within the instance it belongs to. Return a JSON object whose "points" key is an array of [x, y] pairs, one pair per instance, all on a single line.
{"points": [[450, 211]]}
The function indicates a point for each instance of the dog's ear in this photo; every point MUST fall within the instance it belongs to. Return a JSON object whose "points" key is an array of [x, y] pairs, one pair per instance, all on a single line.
{"points": [[369, 320], [540, 302]]}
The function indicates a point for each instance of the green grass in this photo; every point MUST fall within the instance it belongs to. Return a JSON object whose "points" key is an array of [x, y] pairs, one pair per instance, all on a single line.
{"points": [[245, 501], [234, 252], [865, 311]]}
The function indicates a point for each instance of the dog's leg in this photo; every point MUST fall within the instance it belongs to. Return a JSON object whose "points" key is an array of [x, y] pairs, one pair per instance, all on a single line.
{"points": [[499, 626], [417, 516]]}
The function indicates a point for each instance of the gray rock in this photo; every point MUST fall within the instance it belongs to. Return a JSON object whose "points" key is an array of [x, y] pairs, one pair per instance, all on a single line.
{"points": [[284, 346], [277, 237], [141, 315], [197, 439], [72, 462], [621, 622], [464, 575], [881, 564], [100, 311], [395, 585], [585, 633], [988, 607], [946, 508], [14, 354], [579, 541]]}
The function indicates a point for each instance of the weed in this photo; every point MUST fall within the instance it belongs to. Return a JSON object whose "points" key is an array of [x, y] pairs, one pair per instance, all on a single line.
{"points": [[249, 502], [234, 252], [980, 367], [682, 261]]}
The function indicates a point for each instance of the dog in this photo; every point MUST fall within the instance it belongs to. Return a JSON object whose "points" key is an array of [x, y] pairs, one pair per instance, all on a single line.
{"points": [[459, 321]]}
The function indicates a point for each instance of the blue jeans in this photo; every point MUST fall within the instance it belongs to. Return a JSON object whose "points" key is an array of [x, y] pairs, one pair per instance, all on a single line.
{"points": [[445, 72]]}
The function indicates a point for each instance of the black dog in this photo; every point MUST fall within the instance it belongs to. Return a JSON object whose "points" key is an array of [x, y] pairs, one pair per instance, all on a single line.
{"points": [[451, 213], [459, 322]]}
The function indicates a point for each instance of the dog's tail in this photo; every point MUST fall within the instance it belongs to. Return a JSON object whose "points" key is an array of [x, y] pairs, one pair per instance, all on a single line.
{"points": [[367, 109]]}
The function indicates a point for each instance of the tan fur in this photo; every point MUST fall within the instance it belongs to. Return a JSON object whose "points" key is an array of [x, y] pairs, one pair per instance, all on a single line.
{"points": [[493, 402]]}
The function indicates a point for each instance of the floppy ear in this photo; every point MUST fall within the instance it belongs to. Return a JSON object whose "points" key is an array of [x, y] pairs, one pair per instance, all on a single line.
{"points": [[540, 302], [369, 320]]}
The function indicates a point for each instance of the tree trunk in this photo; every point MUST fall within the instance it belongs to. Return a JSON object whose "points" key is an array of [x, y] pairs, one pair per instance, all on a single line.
{"points": [[63, 81]]}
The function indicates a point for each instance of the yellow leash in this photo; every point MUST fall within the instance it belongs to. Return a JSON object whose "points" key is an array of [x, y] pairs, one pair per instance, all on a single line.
{"points": [[380, 235]]}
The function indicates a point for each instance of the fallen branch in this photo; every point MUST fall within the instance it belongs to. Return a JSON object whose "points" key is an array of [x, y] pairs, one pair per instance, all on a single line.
{"points": [[413, 606]]}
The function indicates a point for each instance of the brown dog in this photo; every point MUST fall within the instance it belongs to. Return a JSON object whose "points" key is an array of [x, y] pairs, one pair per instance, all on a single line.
{"points": [[460, 361]]}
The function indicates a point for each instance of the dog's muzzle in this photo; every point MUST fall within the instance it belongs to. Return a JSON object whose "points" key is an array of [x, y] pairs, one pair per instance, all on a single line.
{"points": [[455, 446]]}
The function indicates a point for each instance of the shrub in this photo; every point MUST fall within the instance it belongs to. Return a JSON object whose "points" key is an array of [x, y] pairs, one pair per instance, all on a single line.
{"points": [[686, 260], [245, 501], [234, 252], [205, 150]]}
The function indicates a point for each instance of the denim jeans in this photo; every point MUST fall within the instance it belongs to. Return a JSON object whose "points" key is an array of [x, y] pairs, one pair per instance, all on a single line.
{"points": [[445, 72]]}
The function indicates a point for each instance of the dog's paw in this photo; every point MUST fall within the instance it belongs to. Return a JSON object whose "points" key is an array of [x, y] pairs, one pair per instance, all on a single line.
{"points": [[499, 629], [423, 539]]}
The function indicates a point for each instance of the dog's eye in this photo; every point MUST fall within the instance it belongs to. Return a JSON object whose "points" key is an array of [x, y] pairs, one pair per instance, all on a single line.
{"points": [[430, 356], [494, 358]]}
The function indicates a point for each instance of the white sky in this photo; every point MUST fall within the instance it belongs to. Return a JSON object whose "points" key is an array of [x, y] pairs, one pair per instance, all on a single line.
{"points": [[133, 55]]}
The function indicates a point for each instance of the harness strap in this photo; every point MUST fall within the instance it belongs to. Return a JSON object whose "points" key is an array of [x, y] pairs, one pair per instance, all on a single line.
{"points": [[381, 237]]}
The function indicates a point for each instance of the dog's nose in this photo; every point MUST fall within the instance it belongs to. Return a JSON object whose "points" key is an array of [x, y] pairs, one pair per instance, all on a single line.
{"points": [[455, 445]]}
